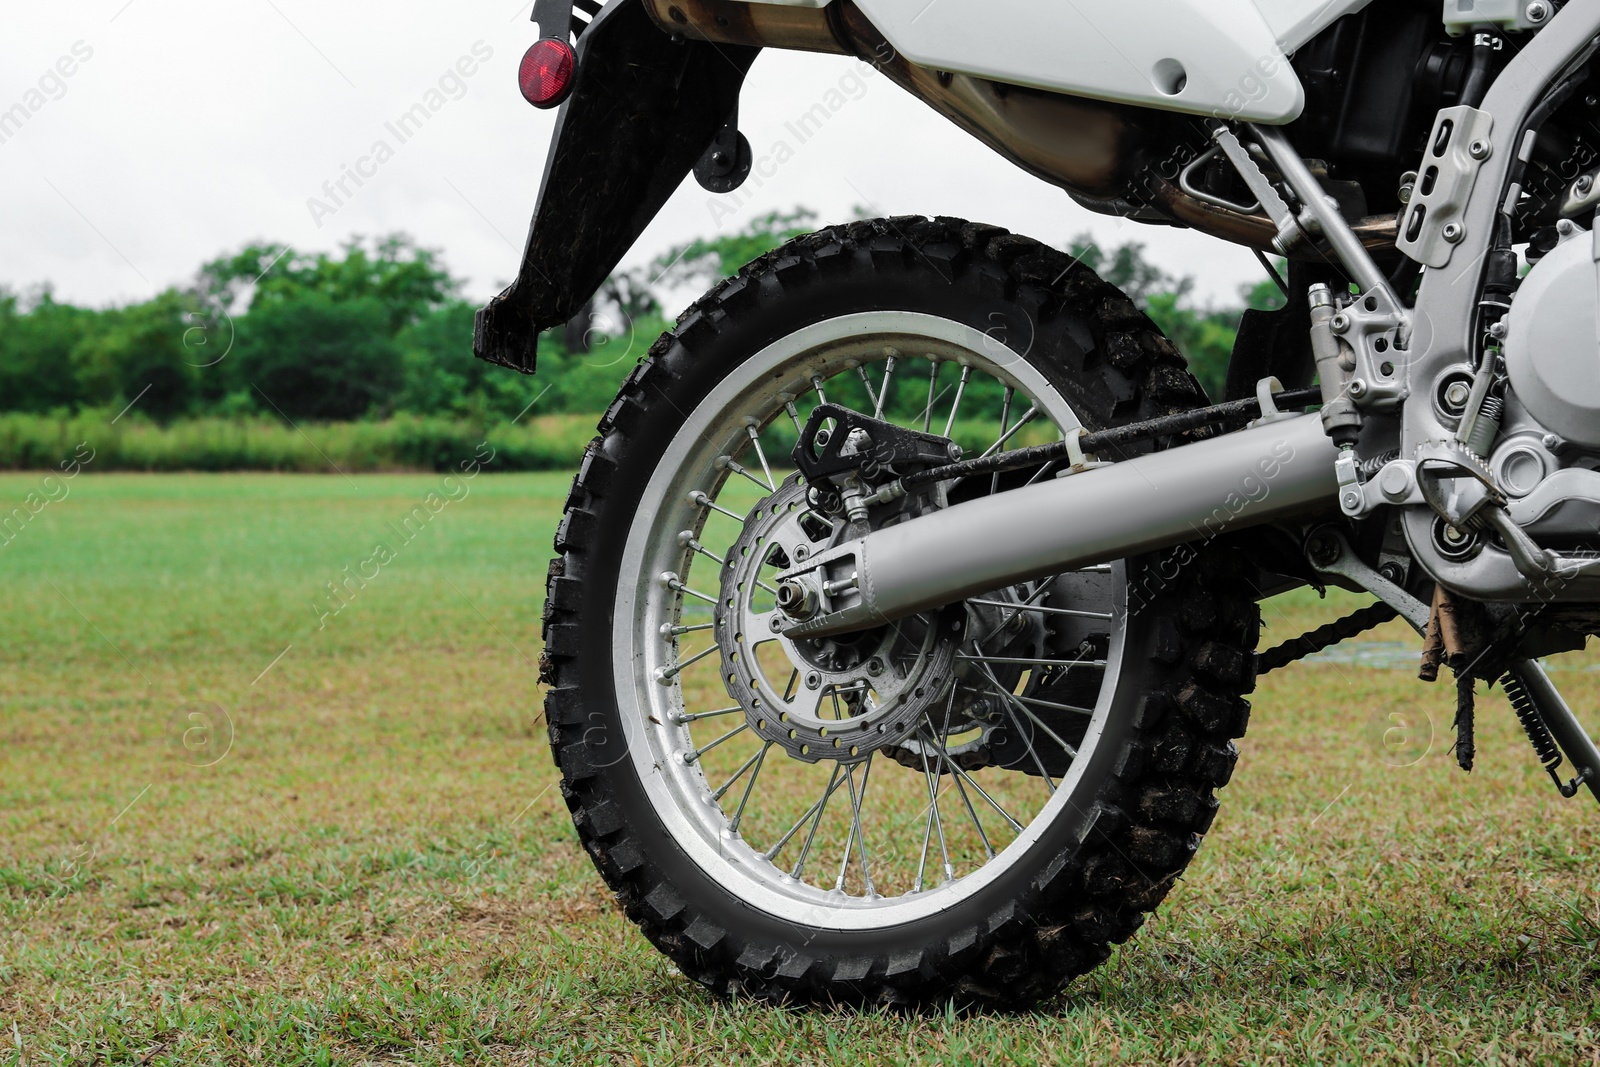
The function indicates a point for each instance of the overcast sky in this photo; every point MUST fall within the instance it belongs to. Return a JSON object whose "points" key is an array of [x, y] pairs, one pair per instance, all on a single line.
{"points": [[187, 128]]}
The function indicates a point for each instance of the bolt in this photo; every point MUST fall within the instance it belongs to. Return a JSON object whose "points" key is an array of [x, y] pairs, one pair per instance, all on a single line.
{"points": [[795, 601], [801, 551], [1358, 388], [1479, 150], [874, 666], [1537, 11], [1584, 184], [813, 681], [1340, 322], [1395, 481], [1456, 395], [1408, 185], [1566, 227], [1453, 232], [776, 623], [1323, 549], [1392, 571]]}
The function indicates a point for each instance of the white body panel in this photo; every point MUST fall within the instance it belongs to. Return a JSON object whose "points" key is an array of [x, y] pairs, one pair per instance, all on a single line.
{"points": [[1226, 58]]}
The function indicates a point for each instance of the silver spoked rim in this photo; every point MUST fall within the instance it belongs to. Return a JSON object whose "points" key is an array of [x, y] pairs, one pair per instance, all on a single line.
{"points": [[727, 797]]}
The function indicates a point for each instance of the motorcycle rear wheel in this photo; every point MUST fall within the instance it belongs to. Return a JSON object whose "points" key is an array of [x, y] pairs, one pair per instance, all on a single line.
{"points": [[1027, 867]]}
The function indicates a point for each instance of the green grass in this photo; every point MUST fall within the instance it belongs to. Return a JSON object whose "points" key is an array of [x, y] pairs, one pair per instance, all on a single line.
{"points": [[379, 869]]}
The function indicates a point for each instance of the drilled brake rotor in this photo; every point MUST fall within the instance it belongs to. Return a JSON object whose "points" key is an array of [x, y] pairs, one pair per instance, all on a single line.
{"points": [[837, 698]]}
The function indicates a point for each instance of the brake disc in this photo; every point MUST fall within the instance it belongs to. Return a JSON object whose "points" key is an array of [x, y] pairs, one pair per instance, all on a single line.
{"points": [[839, 698]]}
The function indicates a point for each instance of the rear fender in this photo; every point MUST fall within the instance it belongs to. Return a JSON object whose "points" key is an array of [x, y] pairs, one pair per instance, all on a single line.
{"points": [[643, 109]]}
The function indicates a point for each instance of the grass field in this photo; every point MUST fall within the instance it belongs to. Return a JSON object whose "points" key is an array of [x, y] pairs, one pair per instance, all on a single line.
{"points": [[238, 826]]}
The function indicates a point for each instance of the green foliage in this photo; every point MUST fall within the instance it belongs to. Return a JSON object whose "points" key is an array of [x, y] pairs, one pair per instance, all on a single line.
{"points": [[265, 443], [313, 357], [378, 329], [36, 352], [405, 280], [138, 352]]}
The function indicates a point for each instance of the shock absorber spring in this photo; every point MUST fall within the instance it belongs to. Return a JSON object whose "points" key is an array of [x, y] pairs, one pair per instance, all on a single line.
{"points": [[1544, 745]]}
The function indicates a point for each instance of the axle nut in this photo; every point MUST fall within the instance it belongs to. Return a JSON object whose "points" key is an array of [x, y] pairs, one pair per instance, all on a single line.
{"points": [[795, 600]]}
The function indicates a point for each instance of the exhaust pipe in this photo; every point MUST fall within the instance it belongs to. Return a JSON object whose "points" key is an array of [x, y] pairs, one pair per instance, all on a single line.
{"points": [[1190, 493]]}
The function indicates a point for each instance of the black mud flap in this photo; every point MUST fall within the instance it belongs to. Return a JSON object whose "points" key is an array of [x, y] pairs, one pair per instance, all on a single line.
{"points": [[643, 110]]}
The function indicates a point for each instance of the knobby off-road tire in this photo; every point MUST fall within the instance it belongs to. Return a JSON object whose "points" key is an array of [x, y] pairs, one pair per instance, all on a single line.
{"points": [[1160, 744]]}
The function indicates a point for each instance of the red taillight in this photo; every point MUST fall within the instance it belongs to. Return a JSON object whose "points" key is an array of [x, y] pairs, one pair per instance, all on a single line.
{"points": [[546, 74]]}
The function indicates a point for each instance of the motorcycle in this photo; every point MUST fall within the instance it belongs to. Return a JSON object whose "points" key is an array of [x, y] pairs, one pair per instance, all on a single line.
{"points": [[906, 604]]}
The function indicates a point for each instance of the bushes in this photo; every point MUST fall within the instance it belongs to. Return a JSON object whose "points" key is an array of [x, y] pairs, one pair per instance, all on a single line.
{"points": [[548, 442]]}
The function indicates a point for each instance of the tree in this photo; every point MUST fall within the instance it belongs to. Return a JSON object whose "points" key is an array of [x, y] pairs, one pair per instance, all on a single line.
{"points": [[36, 346], [316, 357], [406, 280], [137, 353]]}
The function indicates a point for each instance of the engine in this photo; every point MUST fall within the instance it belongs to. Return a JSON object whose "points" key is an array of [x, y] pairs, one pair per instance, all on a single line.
{"points": [[1548, 448]]}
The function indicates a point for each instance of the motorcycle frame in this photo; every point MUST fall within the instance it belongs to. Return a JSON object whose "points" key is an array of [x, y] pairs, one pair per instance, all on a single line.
{"points": [[1052, 527]]}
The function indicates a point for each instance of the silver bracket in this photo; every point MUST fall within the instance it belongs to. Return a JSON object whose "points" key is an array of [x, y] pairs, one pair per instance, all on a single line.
{"points": [[1332, 555], [1395, 483], [1434, 220], [1374, 325]]}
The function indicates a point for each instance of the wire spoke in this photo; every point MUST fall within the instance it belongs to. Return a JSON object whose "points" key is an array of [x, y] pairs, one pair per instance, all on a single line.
{"points": [[811, 834], [935, 821], [1027, 417], [945, 755], [667, 674], [694, 757], [697, 716], [816, 382], [883, 390], [678, 631], [961, 387], [857, 835], [1033, 751], [1011, 698], [1005, 420], [700, 498], [687, 539], [1052, 705], [933, 381], [719, 794], [755, 439], [1062, 663], [729, 463], [761, 761], [1074, 612]]}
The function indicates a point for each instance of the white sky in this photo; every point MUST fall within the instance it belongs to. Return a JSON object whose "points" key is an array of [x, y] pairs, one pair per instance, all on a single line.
{"points": [[196, 127]]}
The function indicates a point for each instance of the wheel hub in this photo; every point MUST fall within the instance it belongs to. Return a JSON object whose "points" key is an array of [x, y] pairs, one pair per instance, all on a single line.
{"points": [[839, 698]]}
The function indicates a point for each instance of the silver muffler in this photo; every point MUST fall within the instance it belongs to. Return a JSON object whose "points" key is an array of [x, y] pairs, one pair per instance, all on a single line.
{"points": [[1190, 493]]}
